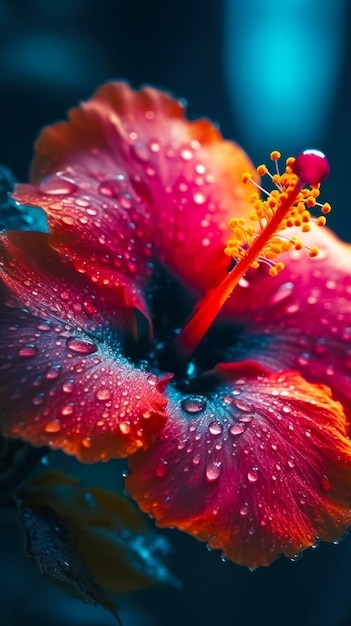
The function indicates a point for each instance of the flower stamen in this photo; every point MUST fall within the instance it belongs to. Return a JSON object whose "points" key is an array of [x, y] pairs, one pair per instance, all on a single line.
{"points": [[287, 206]]}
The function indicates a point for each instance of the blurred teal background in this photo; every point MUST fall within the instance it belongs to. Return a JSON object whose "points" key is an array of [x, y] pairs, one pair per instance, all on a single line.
{"points": [[274, 75]]}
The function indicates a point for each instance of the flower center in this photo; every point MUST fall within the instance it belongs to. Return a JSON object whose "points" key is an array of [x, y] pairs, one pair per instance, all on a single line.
{"points": [[265, 235]]}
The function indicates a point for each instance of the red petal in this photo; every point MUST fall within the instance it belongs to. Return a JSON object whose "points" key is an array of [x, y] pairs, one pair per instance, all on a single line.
{"points": [[261, 468], [64, 381], [301, 319], [127, 174]]}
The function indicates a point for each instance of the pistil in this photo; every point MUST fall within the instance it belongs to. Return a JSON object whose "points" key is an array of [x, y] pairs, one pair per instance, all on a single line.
{"points": [[286, 206]]}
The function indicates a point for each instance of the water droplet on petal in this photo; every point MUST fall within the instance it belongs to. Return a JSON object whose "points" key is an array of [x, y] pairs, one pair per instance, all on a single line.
{"points": [[213, 471], [81, 347], [244, 509], [152, 379], [242, 406], [28, 350], [215, 428], [291, 462], [89, 305], [39, 399], [103, 394], [124, 428], [194, 404], [53, 427], [296, 557], [68, 409], [252, 475], [281, 293], [53, 372], [236, 429], [199, 198], [107, 190], [186, 155], [57, 185], [68, 386]]}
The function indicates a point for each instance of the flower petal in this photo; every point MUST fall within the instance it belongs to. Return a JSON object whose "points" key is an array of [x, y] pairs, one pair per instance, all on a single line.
{"points": [[64, 381], [125, 175], [300, 319], [262, 467]]}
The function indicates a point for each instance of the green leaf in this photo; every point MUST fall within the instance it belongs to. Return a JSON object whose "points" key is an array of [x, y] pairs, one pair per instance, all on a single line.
{"points": [[52, 545]]}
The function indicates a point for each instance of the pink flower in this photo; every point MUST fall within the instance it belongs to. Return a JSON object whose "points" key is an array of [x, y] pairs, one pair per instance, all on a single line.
{"points": [[246, 446]]}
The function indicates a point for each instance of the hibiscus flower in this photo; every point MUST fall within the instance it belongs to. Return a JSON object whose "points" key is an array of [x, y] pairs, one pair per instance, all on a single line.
{"points": [[238, 429]]}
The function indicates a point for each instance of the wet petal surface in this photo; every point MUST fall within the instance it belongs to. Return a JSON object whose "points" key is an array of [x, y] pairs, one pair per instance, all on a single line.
{"points": [[64, 381], [260, 468], [300, 319], [130, 158]]}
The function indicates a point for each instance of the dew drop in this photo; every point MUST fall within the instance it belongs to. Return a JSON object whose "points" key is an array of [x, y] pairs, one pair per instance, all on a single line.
{"points": [[215, 428], [186, 155], [103, 394], [194, 404], [57, 186], [244, 407], [125, 201], [236, 429], [53, 372], [213, 471], [281, 293], [244, 509], [44, 327], [152, 379], [252, 475], [28, 350], [200, 169], [155, 146], [68, 386], [89, 305], [303, 359], [199, 198], [296, 557], [124, 428], [39, 399], [68, 409], [53, 427], [107, 190], [81, 347]]}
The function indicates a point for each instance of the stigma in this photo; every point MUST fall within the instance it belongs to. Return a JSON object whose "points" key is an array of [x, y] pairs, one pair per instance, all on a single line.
{"points": [[265, 236]]}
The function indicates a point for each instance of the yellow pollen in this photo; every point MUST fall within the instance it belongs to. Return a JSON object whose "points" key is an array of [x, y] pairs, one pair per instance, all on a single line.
{"points": [[273, 216]]}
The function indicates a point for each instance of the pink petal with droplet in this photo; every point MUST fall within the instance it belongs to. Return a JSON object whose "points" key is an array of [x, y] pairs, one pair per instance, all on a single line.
{"points": [[128, 180], [64, 381], [303, 316]]}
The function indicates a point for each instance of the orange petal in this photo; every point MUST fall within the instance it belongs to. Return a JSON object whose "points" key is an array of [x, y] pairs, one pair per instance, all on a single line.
{"points": [[260, 468]]}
